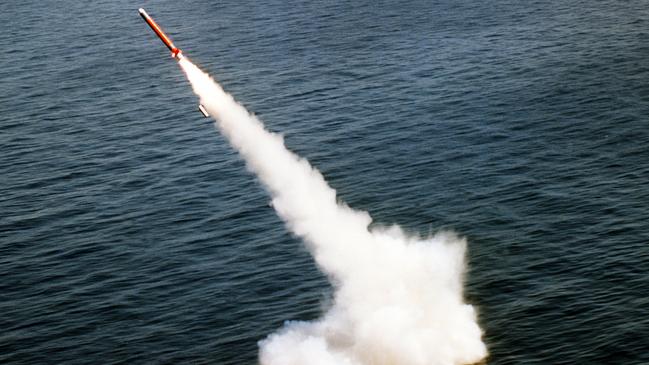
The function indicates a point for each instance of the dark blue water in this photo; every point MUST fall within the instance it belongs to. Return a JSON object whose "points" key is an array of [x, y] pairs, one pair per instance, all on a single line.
{"points": [[130, 232]]}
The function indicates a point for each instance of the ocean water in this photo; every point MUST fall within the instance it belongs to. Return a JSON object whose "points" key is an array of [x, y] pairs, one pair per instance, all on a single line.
{"points": [[130, 231]]}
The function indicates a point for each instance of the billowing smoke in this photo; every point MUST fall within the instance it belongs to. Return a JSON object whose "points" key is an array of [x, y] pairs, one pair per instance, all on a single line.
{"points": [[397, 299]]}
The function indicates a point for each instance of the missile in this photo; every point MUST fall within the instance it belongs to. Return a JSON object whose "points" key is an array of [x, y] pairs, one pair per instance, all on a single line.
{"points": [[175, 52]]}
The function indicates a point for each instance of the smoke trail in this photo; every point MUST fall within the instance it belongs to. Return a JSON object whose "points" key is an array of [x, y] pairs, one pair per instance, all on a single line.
{"points": [[398, 299]]}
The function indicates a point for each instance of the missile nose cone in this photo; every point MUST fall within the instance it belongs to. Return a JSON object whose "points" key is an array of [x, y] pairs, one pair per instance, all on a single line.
{"points": [[142, 12]]}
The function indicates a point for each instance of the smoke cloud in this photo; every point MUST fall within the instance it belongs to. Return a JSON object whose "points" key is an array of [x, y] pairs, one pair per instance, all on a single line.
{"points": [[397, 299]]}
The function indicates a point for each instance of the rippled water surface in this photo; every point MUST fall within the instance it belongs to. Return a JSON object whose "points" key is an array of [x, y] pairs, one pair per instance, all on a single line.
{"points": [[130, 232]]}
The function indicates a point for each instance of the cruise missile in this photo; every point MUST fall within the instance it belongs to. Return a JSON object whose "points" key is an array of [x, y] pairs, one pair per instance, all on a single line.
{"points": [[175, 52]]}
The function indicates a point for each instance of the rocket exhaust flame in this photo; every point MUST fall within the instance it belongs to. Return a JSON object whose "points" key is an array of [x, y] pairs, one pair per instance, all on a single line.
{"points": [[397, 298]]}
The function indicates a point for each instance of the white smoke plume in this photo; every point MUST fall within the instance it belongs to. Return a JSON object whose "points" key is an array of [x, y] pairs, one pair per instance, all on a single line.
{"points": [[397, 299]]}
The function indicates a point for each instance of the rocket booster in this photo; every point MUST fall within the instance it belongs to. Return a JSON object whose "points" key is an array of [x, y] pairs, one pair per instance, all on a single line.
{"points": [[175, 52]]}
